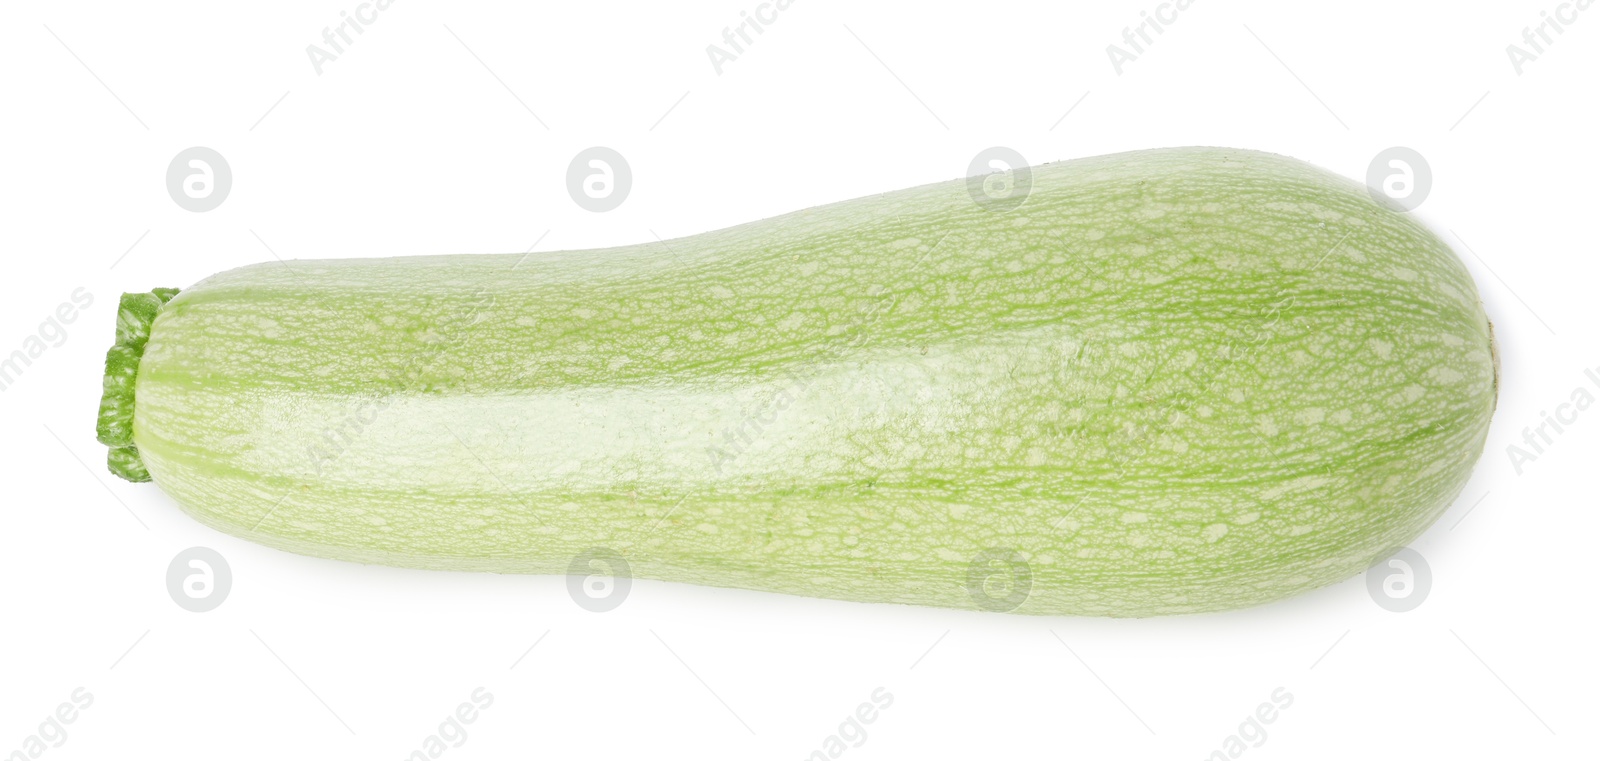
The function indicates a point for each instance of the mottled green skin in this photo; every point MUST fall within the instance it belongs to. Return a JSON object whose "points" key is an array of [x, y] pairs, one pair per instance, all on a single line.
{"points": [[1172, 381]]}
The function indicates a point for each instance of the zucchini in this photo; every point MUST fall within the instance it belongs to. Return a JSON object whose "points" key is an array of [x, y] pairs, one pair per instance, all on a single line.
{"points": [[1170, 381]]}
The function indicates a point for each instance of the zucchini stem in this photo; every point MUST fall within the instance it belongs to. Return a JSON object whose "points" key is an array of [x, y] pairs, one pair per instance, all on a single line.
{"points": [[135, 314]]}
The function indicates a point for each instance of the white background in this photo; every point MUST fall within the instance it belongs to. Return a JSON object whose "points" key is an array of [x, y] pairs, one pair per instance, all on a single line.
{"points": [[408, 143]]}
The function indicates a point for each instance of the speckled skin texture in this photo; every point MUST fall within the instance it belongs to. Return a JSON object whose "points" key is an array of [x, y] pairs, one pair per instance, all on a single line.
{"points": [[1172, 381]]}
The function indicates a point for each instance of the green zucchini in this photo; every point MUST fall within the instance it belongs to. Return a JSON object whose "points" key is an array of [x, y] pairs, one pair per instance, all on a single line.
{"points": [[1169, 381]]}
